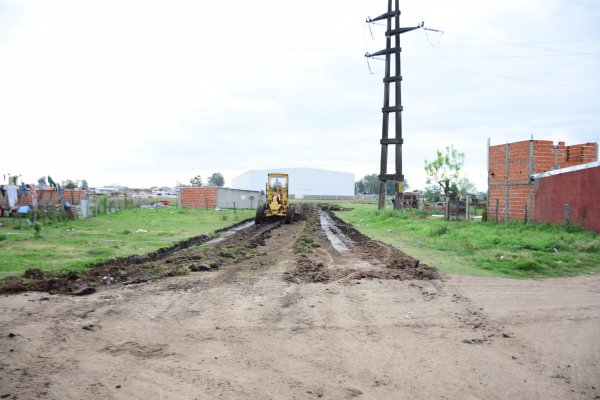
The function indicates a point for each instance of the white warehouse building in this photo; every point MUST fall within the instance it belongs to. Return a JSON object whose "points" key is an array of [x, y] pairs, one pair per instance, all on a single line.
{"points": [[305, 183]]}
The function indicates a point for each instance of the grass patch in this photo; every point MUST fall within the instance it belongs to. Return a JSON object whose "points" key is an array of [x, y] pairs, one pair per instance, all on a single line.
{"points": [[513, 249], [305, 243], [70, 245]]}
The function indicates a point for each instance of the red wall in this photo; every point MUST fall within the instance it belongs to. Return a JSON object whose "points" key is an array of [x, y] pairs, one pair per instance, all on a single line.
{"points": [[509, 167], [578, 189], [198, 197]]}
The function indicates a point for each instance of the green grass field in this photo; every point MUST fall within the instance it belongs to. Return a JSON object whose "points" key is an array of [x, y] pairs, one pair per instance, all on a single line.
{"points": [[512, 250], [72, 244], [507, 250]]}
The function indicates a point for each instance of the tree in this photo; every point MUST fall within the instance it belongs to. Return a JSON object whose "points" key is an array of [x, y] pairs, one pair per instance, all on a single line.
{"points": [[216, 179], [390, 187], [69, 184], [359, 187], [433, 193], [465, 186], [445, 170], [196, 181], [371, 183]]}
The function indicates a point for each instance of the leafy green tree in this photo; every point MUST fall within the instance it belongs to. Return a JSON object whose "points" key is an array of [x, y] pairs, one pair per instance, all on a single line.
{"points": [[216, 179], [196, 181], [465, 186], [359, 187], [444, 170], [69, 184], [433, 193], [390, 187], [371, 183]]}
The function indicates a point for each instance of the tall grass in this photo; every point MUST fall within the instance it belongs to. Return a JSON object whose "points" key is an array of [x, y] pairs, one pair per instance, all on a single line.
{"points": [[511, 249]]}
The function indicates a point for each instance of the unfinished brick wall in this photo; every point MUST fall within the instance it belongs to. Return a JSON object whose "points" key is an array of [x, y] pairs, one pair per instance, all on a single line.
{"points": [[511, 195], [198, 197], [49, 197]]}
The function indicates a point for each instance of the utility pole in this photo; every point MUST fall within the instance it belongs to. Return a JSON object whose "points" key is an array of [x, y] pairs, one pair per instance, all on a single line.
{"points": [[397, 177]]}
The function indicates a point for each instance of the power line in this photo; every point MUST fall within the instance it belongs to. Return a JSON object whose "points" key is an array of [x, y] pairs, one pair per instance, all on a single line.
{"points": [[510, 77], [503, 56], [507, 44]]}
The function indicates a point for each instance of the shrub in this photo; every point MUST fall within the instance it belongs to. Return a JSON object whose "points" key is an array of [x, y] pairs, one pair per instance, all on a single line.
{"points": [[438, 231], [529, 266], [38, 229]]}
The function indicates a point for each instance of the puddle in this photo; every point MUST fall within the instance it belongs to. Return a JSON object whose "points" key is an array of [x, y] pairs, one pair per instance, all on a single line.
{"points": [[336, 237], [230, 232]]}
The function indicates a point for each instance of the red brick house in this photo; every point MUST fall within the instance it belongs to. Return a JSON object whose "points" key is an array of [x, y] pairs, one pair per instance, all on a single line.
{"points": [[511, 192]]}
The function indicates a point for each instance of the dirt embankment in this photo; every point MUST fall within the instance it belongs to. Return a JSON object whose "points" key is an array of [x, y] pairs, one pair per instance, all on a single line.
{"points": [[179, 259]]}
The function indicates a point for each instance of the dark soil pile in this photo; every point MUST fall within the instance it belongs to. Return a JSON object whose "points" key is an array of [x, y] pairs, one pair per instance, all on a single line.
{"points": [[397, 265]]}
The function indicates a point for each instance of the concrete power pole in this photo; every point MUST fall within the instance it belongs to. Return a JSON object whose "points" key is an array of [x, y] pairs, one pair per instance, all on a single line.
{"points": [[396, 31]]}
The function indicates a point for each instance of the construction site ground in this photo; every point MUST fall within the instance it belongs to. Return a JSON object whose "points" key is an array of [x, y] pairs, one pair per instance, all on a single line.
{"points": [[308, 310]]}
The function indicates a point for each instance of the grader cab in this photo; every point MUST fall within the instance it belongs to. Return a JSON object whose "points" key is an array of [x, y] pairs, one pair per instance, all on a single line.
{"points": [[277, 201]]}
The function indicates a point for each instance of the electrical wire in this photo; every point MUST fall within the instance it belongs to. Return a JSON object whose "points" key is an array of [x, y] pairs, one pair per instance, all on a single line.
{"points": [[502, 56], [433, 30], [509, 77]]}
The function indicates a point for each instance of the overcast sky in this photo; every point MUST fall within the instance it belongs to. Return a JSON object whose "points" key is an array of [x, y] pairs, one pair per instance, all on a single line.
{"points": [[144, 93]]}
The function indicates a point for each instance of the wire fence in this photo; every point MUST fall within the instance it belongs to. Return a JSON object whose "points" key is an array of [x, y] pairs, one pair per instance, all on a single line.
{"points": [[86, 205]]}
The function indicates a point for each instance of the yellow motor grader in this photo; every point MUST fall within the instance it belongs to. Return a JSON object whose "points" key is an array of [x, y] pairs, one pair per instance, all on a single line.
{"points": [[277, 202]]}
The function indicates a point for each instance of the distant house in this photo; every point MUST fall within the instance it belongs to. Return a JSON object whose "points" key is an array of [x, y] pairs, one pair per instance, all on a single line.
{"points": [[305, 183]]}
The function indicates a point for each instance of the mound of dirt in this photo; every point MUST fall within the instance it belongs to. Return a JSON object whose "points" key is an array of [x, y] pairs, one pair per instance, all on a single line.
{"points": [[308, 268], [333, 207], [37, 280], [307, 271]]}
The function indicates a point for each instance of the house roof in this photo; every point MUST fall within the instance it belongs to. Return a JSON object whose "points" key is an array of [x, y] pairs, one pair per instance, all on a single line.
{"points": [[565, 170]]}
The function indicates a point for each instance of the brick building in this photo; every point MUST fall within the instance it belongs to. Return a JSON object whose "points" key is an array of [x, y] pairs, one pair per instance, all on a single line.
{"points": [[511, 193], [216, 197], [569, 195]]}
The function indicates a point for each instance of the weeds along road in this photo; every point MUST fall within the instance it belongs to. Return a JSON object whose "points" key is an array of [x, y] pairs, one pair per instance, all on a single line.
{"points": [[276, 312]]}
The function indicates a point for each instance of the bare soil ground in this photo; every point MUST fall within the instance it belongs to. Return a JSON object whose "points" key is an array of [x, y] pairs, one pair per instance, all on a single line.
{"points": [[281, 312]]}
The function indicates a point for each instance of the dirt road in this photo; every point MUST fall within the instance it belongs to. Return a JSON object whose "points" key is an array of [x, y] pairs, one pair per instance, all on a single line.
{"points": [[278, 312]]}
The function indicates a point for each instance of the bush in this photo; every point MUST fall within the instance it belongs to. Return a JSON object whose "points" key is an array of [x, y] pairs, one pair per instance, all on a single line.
{"points": [[38, 229], [438, 231], [529, 266]]}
